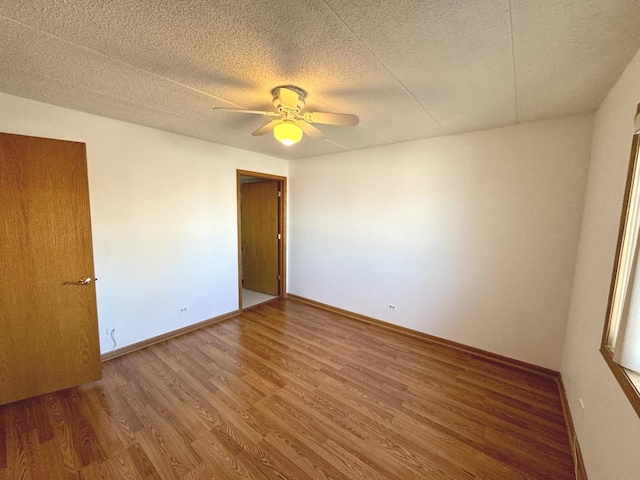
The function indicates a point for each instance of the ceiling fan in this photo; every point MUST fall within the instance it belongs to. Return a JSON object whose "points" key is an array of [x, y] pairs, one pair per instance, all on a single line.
{"points": [[289, 122]]}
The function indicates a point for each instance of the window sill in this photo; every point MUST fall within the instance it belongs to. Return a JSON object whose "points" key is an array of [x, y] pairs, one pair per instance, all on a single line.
{"points": [[628, 380], [634, 378]]}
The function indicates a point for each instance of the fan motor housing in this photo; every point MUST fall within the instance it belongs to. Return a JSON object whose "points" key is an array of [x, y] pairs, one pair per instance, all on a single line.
{"points": [[276, 96]]}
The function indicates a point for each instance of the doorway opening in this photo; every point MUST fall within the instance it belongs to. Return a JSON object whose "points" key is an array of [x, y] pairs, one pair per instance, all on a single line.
{"points": [[261, 237]]}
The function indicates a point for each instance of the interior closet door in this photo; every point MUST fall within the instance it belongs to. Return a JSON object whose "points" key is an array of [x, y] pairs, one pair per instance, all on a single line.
{"points": [[259, 225], [48, 317]]}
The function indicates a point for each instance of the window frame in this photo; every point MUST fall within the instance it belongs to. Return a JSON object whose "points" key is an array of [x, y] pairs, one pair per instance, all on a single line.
{"points": [[622, 375]]}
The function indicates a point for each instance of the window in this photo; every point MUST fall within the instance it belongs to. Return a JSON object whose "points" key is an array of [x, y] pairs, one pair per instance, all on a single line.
{"points": [[621, 338]]}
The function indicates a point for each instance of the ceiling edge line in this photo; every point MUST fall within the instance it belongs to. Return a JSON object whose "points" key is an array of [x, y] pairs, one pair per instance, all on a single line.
{"points": [[103, 94], [386, 68], [117, 60], [513, 62], [338, 145]]}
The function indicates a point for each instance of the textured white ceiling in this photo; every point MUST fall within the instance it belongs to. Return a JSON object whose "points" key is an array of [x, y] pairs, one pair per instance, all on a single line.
{"points": [[409, 69]]}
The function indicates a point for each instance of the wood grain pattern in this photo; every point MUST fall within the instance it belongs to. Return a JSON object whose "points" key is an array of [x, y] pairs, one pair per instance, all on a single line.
{"points": [[48, 331], [289, 391], [511, 362], [259, 231], [282, 223], [165, 336]]}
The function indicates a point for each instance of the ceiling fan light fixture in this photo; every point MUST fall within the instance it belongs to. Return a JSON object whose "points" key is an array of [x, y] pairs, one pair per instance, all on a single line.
{"points": [[289, 122], [287, 132]]}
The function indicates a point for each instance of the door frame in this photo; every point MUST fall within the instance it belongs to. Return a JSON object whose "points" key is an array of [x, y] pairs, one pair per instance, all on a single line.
{"points": [[282, 230]]}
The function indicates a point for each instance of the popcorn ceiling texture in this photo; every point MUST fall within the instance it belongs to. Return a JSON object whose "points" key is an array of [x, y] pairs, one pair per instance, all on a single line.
{"points": [[409, 69]]}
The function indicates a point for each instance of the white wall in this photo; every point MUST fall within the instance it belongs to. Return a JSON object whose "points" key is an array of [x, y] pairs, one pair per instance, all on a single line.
{"points": [[609, 429], [164, 217], [472, 236]]}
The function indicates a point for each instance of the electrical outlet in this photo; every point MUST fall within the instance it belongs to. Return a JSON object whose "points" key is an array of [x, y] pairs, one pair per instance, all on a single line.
{"points": [[183, 310], [391, 306]]}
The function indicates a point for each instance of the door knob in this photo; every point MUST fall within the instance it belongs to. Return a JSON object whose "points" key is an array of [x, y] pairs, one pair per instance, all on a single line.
{"points": [[82, 281]]}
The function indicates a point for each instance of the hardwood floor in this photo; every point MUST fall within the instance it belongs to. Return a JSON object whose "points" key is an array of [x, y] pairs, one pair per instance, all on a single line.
{"points": [[288, 391]]}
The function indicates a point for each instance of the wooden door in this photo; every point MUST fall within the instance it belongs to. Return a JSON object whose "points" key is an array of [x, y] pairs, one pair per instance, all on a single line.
{"points": [[259, 230], [48, 330]]}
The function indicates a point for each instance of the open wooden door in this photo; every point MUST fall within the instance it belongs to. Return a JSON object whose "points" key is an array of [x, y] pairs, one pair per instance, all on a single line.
{"points": [[48, 327], [259, 231]]}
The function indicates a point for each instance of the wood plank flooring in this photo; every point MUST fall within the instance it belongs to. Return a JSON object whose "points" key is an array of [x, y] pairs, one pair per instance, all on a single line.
{"points": [[288, 391]]}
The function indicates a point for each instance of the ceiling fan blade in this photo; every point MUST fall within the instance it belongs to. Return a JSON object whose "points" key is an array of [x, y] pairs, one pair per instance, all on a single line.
{"points": [[342, 119], [253, 112], [267, 127], [288, 98], [312, 131]]}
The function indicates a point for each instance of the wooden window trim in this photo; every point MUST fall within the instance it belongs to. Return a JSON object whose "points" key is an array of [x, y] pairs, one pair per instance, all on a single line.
{"points": [[630, 388]]}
